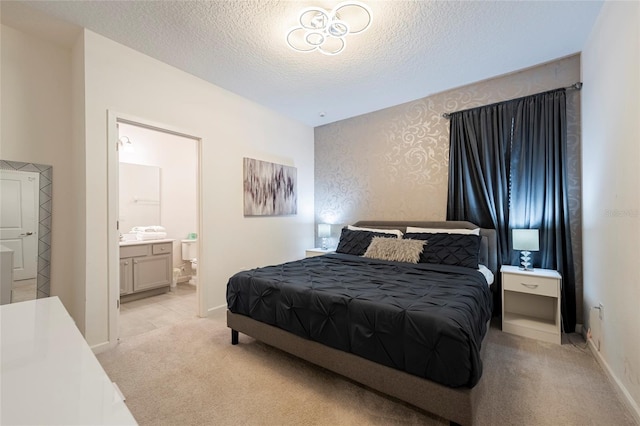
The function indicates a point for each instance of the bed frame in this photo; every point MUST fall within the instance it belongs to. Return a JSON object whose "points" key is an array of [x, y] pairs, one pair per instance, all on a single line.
{"points": [[458, 405]]}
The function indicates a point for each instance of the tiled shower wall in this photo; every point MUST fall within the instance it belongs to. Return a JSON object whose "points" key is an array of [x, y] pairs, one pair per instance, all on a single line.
{"points": [[392, 164]]}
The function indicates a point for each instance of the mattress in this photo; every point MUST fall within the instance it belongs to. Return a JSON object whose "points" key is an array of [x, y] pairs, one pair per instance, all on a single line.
{"points": [[426, 319]]}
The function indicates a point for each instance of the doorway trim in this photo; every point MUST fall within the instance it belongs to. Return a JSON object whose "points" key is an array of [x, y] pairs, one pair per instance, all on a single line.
{"points": [[113, 118]]}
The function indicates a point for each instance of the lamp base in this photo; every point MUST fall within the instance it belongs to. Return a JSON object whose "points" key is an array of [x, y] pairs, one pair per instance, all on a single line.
{"points": [[525, 261]]}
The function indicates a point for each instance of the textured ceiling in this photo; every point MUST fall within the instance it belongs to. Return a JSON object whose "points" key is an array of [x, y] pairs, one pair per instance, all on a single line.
{"points": [[413, 48]]}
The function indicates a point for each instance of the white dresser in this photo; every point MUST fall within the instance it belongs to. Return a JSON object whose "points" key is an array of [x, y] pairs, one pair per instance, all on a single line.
{"points": [[48, 373], [6, 274]]}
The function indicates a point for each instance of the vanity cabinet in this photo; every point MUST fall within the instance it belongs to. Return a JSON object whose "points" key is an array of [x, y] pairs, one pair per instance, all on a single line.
{"points": [[126, 276], [145, 266]]}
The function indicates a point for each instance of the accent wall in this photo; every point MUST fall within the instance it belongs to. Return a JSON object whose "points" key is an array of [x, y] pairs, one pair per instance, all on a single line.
{"points": [[393, 164]]}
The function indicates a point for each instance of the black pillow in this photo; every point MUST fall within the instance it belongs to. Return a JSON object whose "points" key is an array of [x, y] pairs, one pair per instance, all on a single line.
{"points": [[357, 242], [449, 249]]}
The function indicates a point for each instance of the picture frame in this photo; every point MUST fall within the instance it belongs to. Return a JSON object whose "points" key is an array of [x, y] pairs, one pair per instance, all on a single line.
{"points": [[270, 189]]}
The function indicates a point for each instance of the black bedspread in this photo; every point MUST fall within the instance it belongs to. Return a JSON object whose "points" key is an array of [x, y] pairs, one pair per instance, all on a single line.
{"points": [[428, 320]]}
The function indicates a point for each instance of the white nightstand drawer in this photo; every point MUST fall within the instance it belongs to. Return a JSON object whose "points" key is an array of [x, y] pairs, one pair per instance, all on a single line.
{"points": [[531, 285]]}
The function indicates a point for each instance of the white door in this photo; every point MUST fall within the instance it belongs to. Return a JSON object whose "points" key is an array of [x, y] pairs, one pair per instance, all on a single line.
{"points": [[19, 220]]}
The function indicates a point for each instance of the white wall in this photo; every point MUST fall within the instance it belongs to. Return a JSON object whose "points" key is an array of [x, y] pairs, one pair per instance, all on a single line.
{"points": [[177, 158], [76, 210], [611, 191], [120, 79], [55, 102], [35, 128]]}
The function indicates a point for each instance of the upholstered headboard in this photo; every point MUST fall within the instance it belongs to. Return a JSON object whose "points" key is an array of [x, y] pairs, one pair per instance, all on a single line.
{"points": [[488, 247]]}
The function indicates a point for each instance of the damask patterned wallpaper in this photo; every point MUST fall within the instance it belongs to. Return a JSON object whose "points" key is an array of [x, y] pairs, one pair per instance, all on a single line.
{"points": [[393, 163]]}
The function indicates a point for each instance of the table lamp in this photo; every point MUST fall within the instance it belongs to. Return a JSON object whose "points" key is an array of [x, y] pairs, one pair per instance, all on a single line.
{"points": [[526, 240], [324, 232]]}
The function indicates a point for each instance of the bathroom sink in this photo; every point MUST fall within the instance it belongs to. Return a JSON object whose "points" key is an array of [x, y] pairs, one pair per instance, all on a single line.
{"points": [[137, 242]]}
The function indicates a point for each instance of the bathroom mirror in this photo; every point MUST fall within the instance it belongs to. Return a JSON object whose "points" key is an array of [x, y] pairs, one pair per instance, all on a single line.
{"points": [[139, 202], [25, 227]]}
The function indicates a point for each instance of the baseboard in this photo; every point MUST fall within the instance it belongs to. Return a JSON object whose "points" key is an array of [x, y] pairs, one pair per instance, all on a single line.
{"points": [[101, 347], [216, 308], [617, 385]]}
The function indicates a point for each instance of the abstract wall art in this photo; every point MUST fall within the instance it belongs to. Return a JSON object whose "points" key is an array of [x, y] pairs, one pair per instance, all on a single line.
{"points": [[269, 189]]}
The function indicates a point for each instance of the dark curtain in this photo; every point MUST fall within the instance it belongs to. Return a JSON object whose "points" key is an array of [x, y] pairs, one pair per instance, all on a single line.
{"points": [[539, 188], [479, 167], [507, 170]]}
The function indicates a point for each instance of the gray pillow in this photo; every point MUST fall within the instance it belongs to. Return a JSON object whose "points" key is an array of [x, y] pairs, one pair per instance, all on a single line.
{"points": [[394, 249]]}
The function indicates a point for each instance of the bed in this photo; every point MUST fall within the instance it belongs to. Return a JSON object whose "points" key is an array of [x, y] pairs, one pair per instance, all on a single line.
{"points": [[412, 329]]}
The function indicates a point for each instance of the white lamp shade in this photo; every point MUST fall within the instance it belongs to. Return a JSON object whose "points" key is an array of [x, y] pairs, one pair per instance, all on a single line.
{"points": [[526, 239], [324, 230]]}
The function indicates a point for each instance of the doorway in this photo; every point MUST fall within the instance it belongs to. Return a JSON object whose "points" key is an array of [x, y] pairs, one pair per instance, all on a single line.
{"points": [[154, 217]]}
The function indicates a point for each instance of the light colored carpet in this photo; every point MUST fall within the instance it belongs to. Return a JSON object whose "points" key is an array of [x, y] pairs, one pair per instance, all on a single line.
{"points": [[190, 374]]}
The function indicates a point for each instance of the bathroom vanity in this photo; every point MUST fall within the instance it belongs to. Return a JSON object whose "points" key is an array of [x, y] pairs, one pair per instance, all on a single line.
{"points": [[145, 268]]}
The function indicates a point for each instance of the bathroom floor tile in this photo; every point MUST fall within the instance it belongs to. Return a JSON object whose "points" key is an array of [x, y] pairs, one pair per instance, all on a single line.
{"points": [[23, 290], [144, 315]]}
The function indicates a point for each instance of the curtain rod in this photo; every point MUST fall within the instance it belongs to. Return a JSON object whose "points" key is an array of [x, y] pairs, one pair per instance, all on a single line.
{"points": [[574, 86]]}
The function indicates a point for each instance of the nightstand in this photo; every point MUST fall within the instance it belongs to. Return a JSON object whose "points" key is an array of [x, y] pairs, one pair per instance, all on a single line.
{"points": [[317, 252], [531, 303]]}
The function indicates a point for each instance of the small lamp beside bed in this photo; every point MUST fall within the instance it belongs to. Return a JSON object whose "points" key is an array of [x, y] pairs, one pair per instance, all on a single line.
{"points": [[526, 240], [324, 232]]}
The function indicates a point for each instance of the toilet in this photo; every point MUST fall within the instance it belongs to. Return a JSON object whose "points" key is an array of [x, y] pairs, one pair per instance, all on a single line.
{"points": [[190, 254]]}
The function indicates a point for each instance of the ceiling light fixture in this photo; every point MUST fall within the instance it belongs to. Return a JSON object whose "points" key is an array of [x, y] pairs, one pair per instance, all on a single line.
{"points": [[326, 31]]}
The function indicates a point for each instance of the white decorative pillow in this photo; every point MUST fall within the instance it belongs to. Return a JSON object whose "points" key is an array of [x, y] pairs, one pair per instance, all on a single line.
{"points": [[395, 232], [475, 231], [396, 250]]}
